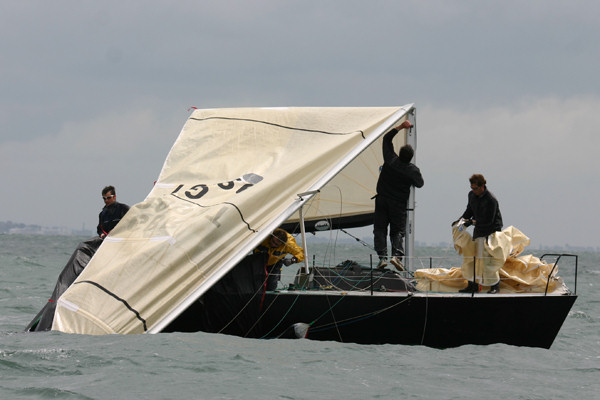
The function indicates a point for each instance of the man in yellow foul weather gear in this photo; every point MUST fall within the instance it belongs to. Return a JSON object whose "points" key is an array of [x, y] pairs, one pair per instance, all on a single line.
{"points": [[277, 246]]}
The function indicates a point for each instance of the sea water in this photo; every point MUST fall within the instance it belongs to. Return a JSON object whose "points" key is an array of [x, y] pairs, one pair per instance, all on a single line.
{"points": [[55, 365]]}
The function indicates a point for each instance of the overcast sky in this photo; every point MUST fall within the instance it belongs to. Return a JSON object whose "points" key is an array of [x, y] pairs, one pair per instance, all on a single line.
{"points": [[95, 92]]}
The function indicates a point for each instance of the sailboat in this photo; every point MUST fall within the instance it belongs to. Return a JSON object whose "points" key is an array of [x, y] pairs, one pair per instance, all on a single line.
{"points": [[183, 260]]}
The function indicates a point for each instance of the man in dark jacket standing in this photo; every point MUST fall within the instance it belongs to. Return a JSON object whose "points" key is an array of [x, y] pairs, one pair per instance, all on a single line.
{"points": [[112, 212], [397, 176], [483, 212]]}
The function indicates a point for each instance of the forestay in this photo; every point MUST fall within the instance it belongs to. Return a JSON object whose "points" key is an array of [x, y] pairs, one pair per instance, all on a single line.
{"points": [[232, 176]]}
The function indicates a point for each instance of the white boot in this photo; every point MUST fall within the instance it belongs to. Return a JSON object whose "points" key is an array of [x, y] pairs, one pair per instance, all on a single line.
{"points": [[397, 263]]}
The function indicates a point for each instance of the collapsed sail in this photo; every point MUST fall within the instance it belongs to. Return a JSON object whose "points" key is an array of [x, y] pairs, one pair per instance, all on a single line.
{"points": [[232, 176]]}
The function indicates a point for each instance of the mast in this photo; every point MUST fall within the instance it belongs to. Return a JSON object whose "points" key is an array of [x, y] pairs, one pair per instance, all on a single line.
{"points": [[409, 239], [303, 230]]}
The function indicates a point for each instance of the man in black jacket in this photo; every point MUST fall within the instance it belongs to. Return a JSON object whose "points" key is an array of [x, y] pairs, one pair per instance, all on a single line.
{"points": [[397, 176], [112, 212], [483, 212]]}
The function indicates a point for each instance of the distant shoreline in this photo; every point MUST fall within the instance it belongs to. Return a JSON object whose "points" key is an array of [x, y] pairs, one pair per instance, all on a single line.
{"points": [[17, 228], [42, 231]]}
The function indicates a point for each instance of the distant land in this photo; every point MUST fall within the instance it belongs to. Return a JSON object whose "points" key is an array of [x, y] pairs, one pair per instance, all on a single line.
{"points": [[24, 229], [9, 227], [368, 242]]}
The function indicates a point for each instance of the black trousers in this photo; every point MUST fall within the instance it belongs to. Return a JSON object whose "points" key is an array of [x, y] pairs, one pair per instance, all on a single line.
{"points": [[393, 213], [274, 275]]}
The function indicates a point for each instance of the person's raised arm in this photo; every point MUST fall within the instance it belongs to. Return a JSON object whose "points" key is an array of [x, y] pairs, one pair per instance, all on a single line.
{"points": [[389, 155]]}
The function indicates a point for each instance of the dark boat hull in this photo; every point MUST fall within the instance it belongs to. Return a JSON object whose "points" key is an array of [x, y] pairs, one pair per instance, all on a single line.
{"points": [[394, 313], [438, 321], [237, 305]]}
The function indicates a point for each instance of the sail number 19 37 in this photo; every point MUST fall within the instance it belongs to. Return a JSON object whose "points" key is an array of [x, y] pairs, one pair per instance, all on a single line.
{"points": [[200, 190]]}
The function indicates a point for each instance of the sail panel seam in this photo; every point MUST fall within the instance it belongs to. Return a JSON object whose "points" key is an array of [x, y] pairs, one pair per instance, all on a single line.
{"points": [[219, 204], [279, 125], [137, 314]]}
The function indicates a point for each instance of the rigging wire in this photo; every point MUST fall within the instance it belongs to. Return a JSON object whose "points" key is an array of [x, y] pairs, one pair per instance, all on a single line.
{"points": [[243, 308], [340, 276], [334, 319], [358, 240]]}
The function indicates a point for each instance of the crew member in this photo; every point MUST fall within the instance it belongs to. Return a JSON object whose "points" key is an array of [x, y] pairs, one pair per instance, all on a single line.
{"points": [[397, 176], [483, 212], [277, 246], [112, 212]]}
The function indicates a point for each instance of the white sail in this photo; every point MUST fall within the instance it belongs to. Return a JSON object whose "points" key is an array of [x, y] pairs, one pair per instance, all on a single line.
{"points": [[232, 176]]}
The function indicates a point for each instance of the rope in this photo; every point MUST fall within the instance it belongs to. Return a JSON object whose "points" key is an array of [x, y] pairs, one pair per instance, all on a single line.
{"points": [[243, 308], [326, 311], [355, 318], [425, 319], [333, 316], [282, 318]]}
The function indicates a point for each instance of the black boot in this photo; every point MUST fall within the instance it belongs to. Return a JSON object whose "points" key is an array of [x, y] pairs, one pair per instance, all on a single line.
{"points": [[472, 287], [494, 288]]}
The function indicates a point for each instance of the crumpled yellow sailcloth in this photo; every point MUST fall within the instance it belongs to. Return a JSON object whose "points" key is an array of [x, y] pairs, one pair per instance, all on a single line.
{"points": [[499, 260]]}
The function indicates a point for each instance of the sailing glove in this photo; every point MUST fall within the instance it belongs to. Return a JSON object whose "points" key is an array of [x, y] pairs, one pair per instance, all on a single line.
{"points": [[290, 261]]}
